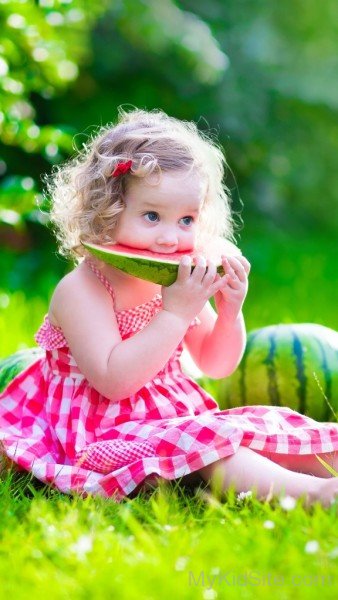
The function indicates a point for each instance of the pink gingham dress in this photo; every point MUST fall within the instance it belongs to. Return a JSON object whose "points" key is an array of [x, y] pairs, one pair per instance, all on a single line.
{"points": [[54, 424]]}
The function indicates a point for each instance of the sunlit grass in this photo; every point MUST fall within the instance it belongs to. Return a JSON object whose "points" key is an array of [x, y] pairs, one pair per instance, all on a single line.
{"points": [[20, 318], [169, 543]]}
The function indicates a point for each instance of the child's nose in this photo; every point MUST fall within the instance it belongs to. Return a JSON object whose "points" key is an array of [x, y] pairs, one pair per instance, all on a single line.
{"points": [[167, 238]]}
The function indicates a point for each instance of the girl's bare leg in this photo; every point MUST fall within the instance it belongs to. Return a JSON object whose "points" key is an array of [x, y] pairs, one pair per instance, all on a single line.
{"points": [[249, 470], [305, 463]]}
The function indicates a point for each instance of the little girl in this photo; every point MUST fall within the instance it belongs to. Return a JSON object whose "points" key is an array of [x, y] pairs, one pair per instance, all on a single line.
{"points": [[108, 409]]}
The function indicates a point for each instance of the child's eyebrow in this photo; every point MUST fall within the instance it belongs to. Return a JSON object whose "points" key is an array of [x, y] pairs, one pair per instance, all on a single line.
{"points": [[155, 206]]}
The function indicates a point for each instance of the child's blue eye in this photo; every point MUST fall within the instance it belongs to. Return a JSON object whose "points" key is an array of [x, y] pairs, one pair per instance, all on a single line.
{"points": [[152, 217], [187, 221]]}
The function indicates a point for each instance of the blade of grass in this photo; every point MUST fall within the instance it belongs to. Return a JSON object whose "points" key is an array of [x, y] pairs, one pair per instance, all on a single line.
{"points": [[325, 398], [326, 466]]}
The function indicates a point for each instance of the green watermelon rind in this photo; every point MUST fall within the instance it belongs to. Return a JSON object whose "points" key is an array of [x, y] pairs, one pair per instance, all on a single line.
{"points": [[163, 272], [143, 268], [16, 363]]}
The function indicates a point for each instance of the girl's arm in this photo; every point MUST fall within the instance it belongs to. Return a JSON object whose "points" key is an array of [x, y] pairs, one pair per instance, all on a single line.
{"points": [[216, 346], [119, 368], [115, 368]]}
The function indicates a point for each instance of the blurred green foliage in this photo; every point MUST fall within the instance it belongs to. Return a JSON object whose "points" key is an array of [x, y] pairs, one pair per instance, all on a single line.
{"points": [[260, 75], [43, 45]]}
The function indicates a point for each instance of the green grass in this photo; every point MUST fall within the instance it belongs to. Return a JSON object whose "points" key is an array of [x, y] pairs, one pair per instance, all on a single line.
{"points": [[176, 542], [172, 542], [20, 318]]}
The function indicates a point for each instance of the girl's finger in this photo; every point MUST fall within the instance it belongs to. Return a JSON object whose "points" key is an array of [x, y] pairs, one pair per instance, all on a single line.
{"points": [[210, 273], [220, 283], [234, 283], [184, 269], [244, 261], [228, 268], [236, 269], [231, 282], [200, 268]]}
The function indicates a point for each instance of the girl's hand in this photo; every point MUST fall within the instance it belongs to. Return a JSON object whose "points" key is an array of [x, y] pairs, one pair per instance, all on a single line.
{"points": [[230, 297], [191, 290]]}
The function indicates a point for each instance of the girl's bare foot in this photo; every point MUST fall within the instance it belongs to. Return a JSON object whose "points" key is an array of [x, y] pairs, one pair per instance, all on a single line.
{"points": [[325, 493], [246, 469]]}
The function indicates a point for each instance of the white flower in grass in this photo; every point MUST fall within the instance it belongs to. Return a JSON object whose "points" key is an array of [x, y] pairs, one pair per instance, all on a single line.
{"points": [[181, 563], [243, 495], [311, 547], [209, 594], [83, 545], [288, 502], [333, 553], [268, 524]]}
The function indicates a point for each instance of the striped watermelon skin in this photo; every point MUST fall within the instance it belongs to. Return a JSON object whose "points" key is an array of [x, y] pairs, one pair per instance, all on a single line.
{"points": [[292, 365], [14, 364]]}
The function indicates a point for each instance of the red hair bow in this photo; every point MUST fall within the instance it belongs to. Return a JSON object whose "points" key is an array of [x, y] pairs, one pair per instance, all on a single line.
{"points": [[122, 168]]}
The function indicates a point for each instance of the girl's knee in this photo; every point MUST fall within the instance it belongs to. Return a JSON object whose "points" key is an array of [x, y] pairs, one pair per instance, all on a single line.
{"points": [[209, 471]]}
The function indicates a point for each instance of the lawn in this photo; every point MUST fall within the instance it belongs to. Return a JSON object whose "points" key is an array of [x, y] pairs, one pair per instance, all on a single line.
{"points": [[174, 541], [171, 542]]}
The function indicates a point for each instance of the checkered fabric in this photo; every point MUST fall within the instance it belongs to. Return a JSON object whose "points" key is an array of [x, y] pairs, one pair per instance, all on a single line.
{"points": [[55, 425]]}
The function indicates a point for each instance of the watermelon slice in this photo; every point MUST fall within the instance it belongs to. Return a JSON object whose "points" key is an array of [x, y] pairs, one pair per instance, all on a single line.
{"points": [[151, 266]]}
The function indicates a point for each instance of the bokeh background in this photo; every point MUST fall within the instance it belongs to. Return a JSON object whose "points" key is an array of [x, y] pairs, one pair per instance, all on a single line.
{"points": [[262, 76]]}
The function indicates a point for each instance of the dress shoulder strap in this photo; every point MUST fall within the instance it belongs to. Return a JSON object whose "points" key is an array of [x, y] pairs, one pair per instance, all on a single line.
{"points": [[101, 277]]}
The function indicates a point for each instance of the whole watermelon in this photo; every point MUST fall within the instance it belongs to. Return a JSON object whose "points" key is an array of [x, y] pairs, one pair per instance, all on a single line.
{"points": [[292, 365], [16, 363]]}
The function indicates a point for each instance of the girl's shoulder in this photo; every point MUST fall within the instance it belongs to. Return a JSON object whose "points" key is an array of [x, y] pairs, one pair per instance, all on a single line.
{"points": [[77, 285]]}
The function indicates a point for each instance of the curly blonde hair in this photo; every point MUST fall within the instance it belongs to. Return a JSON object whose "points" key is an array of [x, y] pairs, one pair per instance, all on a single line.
{"points": [[86, 201]]}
